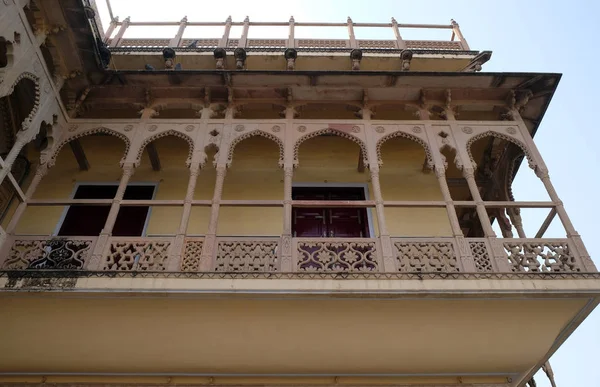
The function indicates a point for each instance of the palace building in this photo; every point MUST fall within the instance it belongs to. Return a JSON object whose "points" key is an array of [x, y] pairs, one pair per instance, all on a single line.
{"points": [[201, 208]]}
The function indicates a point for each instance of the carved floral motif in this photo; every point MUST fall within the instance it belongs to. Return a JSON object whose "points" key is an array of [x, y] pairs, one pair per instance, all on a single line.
{"points": [[302, 128], [276, 129], [48, 254], [417, 129], [128, 128], [380, 129], [511, 130], [467, 130], [239, 128], [189, 128], [337, 256]]}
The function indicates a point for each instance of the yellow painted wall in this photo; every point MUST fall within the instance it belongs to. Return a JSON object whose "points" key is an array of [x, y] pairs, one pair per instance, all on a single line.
{"points": [[254, 174]]}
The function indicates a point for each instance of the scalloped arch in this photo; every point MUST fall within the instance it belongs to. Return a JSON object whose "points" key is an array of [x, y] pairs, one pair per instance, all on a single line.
{"points": [[101, 129], [490, 133], [36, 102], [408, 136], [166, 133], [361, 144], [253, 133]]}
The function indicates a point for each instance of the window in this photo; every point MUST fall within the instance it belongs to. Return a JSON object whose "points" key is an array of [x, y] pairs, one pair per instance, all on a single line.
{"points": [[329, 221], [89, 220]]}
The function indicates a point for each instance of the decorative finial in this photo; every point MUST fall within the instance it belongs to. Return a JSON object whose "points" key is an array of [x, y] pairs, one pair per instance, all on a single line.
{"points": [[349, 20], [228, 19], [184, 20], [292, 19], [453, 22], [127, 19], [394, 21], [247, 19]]}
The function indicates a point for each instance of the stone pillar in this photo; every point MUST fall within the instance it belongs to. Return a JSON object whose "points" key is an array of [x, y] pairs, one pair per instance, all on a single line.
{"points": [[459, 35], [500, 257], [211, 236], [12, 155], [178, 244], [389, 264], [399, 41], [286, 237], [110, 30], [97, 256], [291, 38], [177, 39], [244, 39], [353, 43], [464, 251], [117, 39], [225, 38]]}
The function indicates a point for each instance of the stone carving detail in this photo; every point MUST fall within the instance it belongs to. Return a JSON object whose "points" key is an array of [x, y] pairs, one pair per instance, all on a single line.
{"points": [[350, 137], [239, 128], [337, 256], [355, 129], [302, 128], [87, 133], [73, 128], [426, 257], [36, 103], [139, 255], [255, 133], [152, 128], [189, 128], [467, 130], [411, 137], [541, 257], [165, 134], [276, 129], [483, 263], [48, 254], [417, 129], [191, 257], [511, 130], [128, 128], [532, 163], [380, 129], [246, 256]]}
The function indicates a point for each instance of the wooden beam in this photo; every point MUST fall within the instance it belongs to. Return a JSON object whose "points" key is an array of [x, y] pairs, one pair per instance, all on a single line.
{"points": [[361, 162], [153, 154], [77, 149]]}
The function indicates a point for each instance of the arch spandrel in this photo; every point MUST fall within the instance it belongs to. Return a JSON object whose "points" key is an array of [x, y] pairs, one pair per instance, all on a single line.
{"points": [[241, 136], [354, 133], [416, 134], [165, 133]]}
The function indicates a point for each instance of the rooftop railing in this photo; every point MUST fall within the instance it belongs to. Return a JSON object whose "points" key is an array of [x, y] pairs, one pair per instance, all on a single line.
{"points": [[456, 42]]}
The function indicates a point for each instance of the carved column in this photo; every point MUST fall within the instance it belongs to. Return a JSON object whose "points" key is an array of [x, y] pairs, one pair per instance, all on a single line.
{"points": [[211, 236], [399, 41], [178, 244], [244, 38], [353, 43], [500, 256], [384, 236], [96, 260], [466, 257], [286, 237], [459, 35], [177, 39], [12, 155], [225, 38]]}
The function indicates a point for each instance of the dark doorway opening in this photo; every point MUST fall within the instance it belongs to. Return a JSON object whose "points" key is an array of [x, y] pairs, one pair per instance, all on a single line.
{"points": [[329, 222], [89, 220]]}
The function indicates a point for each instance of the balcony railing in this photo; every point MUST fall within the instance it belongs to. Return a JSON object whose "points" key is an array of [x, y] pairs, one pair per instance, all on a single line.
{"points": [[115, 37], [419, 256]]}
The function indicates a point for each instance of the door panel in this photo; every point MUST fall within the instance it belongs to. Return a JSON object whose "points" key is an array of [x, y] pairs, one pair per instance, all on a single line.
{"points": [[327, 221]]}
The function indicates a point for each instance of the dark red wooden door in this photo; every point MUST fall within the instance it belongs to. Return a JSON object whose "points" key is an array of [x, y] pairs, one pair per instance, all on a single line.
{"points": [[329, 221]]}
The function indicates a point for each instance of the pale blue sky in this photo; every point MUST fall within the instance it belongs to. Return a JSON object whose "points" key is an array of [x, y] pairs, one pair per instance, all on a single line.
{"points": [[525, 36]]}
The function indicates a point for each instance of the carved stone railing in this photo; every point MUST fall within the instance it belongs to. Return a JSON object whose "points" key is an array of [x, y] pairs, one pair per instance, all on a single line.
{"points": [[253, 254], [43, 252], [137, 254], [337, 255], [439, 255], [542, 255], [279, 44], [426, 255]]}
